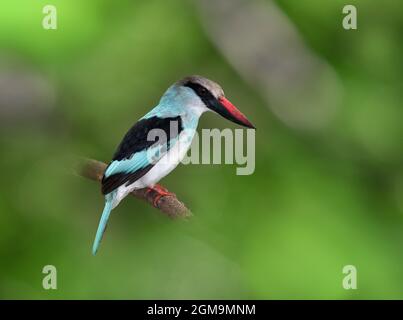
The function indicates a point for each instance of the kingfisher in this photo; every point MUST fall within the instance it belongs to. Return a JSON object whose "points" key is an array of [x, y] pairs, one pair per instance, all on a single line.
{"points": [[158, 142]]}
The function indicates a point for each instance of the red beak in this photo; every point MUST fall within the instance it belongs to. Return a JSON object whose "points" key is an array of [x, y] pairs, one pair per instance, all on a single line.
{"points": [[230, 112]]}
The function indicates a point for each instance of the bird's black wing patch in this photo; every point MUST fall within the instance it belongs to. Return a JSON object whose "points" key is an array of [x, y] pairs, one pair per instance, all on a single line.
{"points": [[136, 140], [116, 180]]}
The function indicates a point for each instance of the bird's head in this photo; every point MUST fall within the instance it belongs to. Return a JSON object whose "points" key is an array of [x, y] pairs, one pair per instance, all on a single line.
{"points": [[211, 97]]}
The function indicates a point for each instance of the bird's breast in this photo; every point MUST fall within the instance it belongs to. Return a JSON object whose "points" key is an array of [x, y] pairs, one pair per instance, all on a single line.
{"points": [[169, 161]]}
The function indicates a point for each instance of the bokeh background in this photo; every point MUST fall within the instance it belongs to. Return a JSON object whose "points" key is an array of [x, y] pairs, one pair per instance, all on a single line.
{"points": [[328, 186]]}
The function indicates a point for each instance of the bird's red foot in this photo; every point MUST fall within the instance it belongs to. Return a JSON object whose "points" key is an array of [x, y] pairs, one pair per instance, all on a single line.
{"points": [[160, 192]]}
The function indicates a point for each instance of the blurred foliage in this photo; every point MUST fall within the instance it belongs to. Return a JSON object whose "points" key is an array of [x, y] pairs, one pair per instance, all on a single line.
{"points": [[316, 202]]}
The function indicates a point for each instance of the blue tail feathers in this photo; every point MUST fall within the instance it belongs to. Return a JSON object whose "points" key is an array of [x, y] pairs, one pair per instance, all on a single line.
{"points": [[102, 225]]}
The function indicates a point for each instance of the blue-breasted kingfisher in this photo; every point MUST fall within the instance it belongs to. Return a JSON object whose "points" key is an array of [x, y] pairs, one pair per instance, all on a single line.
{"points": [[140, 161]]}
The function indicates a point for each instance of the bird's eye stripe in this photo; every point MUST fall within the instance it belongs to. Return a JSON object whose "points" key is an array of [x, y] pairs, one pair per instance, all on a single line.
{"points": [[199, 90], [204, 94]]}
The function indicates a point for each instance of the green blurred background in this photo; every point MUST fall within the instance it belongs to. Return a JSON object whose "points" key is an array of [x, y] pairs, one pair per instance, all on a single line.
{"points": [[320, 198]]}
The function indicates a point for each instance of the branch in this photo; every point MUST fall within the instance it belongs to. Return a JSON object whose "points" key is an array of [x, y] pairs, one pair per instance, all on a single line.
{"points": [[168, 204]]}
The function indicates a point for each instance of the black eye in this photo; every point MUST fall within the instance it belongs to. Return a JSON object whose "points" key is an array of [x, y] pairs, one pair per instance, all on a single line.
{"points": [[203, 90]]}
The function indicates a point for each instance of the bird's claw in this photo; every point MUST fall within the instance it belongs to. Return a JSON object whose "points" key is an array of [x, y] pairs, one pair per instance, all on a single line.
{"points": [[161, 192]]}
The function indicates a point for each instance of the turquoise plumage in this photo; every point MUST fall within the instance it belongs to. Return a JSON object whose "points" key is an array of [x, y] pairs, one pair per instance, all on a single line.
{"points": [[102, 224], [138, 161]]}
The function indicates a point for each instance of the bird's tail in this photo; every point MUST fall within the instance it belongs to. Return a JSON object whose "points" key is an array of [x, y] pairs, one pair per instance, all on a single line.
{"points": [[102, 225]]}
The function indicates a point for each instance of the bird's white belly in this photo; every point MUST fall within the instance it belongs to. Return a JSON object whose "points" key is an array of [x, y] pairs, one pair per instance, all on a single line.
{"points": [[163, 167], [166, 164]]}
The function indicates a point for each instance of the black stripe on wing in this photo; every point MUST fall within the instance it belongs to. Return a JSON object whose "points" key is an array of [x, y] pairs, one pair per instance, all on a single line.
{"points": [[136, 140], [116, 180]]}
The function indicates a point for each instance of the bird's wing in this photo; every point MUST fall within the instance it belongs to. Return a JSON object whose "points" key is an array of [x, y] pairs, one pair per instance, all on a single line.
{"points": [[138, 152]]}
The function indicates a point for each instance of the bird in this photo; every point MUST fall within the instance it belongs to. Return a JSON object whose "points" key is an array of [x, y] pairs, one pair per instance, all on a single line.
{"points": [[140, 160]]}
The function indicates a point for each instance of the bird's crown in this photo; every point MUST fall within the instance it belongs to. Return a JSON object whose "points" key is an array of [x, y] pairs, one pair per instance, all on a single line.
{"points": [[200, 83]]}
